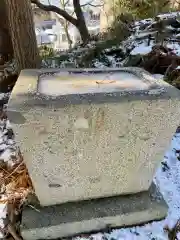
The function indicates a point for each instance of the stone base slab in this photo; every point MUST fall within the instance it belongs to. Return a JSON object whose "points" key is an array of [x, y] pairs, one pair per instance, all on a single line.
{"points": [[71, 219]]}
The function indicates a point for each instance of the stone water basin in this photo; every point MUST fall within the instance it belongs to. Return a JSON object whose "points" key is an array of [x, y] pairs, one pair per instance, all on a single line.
{"points": [[92, 133]]}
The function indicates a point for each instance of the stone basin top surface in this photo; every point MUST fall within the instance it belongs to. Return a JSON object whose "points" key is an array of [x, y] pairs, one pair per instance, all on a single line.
{"points": [[83, 82], [89, 81]]}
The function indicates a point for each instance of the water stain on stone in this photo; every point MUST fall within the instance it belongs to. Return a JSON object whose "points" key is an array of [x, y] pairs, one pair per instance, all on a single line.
{"points": [[43, 131], [100, 118], [121, 136], [145, 138], [87, 114], [54, 185], [94, 179]]}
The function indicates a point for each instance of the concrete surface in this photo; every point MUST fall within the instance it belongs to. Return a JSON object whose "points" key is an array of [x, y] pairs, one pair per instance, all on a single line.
{"points": [[71, 219], [81, 146]]}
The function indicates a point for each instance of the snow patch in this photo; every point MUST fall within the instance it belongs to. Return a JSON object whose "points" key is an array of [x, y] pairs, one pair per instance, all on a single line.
{"points": [[3, 214], [158, 76], [143, 50]]}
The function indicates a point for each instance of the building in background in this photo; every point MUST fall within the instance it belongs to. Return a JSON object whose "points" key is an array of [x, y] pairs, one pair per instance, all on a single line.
{"points": [[106, 15], [50, 30], [61, 43]]}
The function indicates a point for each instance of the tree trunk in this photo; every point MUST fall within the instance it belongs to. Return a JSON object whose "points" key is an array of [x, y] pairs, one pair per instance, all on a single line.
{"points": [[67, 33], [65, 25], [81, 24], [84, 33], [6, 48], [22, 32]]}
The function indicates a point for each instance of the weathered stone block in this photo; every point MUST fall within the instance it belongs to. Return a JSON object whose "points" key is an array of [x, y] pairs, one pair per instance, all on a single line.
{"points": [[90, 134]]}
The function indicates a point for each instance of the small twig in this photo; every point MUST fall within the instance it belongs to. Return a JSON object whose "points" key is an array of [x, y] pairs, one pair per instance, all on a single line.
{"points": [[12, 231], [12, 172], [92, 5], [104, 82], [172, 233], [37, 210], [167, 70], [4, 170]]}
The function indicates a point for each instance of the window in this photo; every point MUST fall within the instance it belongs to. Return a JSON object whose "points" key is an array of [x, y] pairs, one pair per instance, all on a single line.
{"points": [[48, 27]]}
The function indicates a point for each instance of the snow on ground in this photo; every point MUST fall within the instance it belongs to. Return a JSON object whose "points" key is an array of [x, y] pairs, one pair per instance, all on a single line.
{"points": [[141, 49], [175, 47], [168, 15], [3, 211], [158, 76], [1, 96]]}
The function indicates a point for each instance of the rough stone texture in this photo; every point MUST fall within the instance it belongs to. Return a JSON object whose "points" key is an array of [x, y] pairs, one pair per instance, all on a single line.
{"points": [[70, 219], [84, 146]]}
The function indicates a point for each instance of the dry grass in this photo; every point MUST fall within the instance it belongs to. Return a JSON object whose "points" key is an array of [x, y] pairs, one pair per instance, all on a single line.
{"points": [[15, 181], [15, 186]]}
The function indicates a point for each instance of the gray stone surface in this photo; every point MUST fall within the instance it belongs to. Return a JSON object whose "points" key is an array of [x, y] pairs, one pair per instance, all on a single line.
{"points": [[81, 146], [70, 219]]}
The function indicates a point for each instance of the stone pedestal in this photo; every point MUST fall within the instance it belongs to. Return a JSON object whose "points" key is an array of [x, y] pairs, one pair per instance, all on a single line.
{"points": [[89, 134], [72, 219]]}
